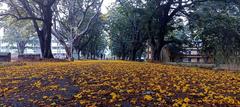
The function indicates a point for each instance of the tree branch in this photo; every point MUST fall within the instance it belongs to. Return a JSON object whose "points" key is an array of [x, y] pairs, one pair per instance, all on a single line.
{"points": [[90, 21]]}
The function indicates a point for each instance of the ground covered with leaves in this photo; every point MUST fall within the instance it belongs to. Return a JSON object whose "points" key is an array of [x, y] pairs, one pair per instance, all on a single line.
{"points": [[116, 83]]}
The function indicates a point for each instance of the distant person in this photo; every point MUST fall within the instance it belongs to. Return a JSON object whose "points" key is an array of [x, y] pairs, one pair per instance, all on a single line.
{"points": [[101, 56]]}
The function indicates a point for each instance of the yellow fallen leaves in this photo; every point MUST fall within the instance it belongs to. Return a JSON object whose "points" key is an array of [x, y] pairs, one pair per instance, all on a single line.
{"points": [[114, 95], [45, 97], [78, 96], [148, 97], [186, 100], [4, 90], [37, 84], [53, 104], [182, 102], [20, 99], [130, 91], [117, 83], [63, 89]]}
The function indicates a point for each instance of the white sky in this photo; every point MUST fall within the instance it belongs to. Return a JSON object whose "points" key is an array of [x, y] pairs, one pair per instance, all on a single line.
{"points": [[106, 4], [1, 32], [2, 7]]}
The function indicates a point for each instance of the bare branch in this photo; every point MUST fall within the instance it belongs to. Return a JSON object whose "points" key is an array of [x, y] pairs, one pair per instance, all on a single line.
{"points": [[91, 20], [21, 18], [84, 15]]}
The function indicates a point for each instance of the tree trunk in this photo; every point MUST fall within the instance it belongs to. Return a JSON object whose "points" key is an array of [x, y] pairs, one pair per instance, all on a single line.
{"points": [[91, 55], [87, 55], [68, 52], [94, 56], [123, 53], [158, 44], [134, 54], [45, 34], [79, 55], [157, 52], [21, 46], [71, 58], [140, 54], [124, 56], [21, 51]]}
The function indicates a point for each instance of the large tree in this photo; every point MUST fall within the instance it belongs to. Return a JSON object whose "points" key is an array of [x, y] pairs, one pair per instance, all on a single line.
{"points": [[73, 20], [127, 29], [96, 47], [94, 36], [161, 15], [133, 23], [119, 31], [40, 13], [216, 24]]}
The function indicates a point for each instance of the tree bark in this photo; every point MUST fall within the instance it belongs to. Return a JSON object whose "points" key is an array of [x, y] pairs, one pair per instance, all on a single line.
{"points": [[78, 52], [21, 46], [134, 54], [68, 52], [44, 35]]}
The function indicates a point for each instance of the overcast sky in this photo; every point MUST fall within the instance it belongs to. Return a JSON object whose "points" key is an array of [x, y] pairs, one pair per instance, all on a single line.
{"points": [[106, 4], [2, 7]]}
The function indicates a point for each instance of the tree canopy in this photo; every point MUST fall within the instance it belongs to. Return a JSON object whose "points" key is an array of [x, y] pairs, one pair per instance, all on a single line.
{"points": [[130, 26]]}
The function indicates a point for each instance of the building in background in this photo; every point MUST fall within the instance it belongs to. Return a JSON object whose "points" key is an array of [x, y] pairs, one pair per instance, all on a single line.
{"points": [[189, 54], [57, 49], [194, 55]]}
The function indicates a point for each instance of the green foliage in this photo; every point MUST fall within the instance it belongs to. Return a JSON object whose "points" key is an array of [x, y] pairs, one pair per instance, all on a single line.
{"points": [[135, 24], [119, 29], [127, 27], [216, 24], [95, 43], [18, 34]]}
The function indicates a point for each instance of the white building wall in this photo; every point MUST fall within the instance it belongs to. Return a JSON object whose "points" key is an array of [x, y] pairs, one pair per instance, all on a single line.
{"points": [[57, 49]]}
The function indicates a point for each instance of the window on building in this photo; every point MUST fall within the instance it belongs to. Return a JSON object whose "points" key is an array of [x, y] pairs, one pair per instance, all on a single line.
{"points": [[198, 59], [181, 60]]}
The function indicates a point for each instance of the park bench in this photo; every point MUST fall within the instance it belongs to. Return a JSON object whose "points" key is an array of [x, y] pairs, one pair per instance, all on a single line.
{"points": [[29, 57], [5, 57]]}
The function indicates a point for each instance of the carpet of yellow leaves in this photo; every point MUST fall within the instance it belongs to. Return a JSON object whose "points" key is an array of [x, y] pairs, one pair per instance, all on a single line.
{"points": [[116, 83]]}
